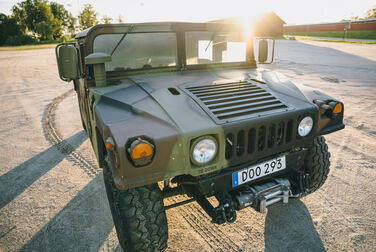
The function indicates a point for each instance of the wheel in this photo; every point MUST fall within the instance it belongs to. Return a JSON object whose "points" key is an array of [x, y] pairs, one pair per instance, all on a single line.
{"points": [[139, 215], [317, 163]]}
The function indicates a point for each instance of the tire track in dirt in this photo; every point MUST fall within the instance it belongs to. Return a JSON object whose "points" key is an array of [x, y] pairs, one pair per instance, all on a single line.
{"points": [[211, 233], [53, 135], [191, 213], [348, 145]]}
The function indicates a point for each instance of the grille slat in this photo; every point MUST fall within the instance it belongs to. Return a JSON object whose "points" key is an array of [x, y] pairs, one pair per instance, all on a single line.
{"points": [[233, 101], [251, 140], [247, 142]]}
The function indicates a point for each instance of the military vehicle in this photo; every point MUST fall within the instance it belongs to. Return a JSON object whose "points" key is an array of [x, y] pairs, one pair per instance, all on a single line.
{"points": [[179, 108]]}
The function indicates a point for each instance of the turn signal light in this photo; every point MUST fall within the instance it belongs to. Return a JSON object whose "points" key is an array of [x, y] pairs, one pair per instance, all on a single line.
{"points": [[141, 152], [109, 143], [337, 108]]}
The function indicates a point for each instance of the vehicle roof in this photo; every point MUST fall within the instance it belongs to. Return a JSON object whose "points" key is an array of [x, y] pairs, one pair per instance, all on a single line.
{"points": [[154, 27]]}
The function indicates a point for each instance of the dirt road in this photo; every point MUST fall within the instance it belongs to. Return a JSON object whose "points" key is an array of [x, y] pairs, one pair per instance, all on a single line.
{"points": [[52, 195]]}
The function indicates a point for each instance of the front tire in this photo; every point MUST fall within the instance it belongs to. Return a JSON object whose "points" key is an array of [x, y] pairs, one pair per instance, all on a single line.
{"points": [[317, 163], [139, 215]]}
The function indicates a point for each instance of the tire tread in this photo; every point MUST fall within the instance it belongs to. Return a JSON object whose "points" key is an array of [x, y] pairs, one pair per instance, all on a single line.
{"points": [[318, 163], [139, 215]]}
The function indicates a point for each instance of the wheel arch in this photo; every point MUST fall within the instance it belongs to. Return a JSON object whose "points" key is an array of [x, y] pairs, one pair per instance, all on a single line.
{"points": [[101, 148]]}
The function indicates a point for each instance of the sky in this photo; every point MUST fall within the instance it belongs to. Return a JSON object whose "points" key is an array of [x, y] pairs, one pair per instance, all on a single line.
{"points": [[291, 11]]}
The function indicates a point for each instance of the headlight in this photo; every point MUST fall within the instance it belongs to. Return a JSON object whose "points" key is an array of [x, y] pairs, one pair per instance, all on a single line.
{"points": [[305, 126], [204, 150]]}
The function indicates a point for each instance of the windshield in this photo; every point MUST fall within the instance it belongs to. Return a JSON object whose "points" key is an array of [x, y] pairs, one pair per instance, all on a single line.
{"points": [[214, 47], [134, 51]]}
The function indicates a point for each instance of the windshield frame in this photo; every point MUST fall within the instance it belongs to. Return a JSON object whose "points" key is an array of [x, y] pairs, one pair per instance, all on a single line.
{"points": [[86, 40]]}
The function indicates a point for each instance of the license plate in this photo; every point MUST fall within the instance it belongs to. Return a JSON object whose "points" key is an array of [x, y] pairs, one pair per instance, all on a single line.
{"points": [[259, 170]]}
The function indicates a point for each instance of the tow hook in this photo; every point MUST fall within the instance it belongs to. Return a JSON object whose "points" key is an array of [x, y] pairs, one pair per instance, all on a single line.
{"points": [[224, 213], [304, 180]]}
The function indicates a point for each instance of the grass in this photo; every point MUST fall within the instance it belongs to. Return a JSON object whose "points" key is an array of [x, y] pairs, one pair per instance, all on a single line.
{"points": [[27, 47], [338, 34], [36, 45]]}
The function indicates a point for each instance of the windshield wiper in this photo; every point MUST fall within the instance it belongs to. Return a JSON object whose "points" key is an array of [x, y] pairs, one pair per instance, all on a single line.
{"points": [[211, 40], [122, 38]]}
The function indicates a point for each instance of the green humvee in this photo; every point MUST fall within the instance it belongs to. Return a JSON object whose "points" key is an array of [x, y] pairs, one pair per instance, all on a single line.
{"points": [[181, 108]]}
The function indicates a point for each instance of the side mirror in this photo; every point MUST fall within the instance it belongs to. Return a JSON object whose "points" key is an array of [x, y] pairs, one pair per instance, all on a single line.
{"points": [[263, 51], [263, 46], [67, 61]]}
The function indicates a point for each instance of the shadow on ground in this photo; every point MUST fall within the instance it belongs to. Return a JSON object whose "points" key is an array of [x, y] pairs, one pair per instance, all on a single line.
{"points": [[289, 227], [17, 180], [82, 225]]}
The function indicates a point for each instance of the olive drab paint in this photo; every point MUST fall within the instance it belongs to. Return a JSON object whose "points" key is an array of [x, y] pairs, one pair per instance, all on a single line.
{"points": [[126, 105]]}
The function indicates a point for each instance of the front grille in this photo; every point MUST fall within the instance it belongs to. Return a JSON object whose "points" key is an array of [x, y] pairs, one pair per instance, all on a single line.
{"points": [[234, 101], [265, 138]]}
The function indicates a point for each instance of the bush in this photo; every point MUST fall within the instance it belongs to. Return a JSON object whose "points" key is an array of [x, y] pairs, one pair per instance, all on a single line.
{"points": [[19, 40]]}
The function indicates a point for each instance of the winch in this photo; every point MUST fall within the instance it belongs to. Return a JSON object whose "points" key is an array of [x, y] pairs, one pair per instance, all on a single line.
{"points": [[261, 196], [258, 196]]}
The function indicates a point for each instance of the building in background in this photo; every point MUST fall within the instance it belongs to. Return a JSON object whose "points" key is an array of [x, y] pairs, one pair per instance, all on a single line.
{"points": [[350, 25], [265, 25]]}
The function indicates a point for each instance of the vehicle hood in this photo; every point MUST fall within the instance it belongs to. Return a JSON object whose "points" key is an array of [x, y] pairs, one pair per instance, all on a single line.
{"points": [[163, 96]]}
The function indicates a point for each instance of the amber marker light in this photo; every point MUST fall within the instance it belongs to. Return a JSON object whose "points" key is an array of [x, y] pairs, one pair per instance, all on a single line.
{"points": [[109, 145], [337, 108], [141, 152]]}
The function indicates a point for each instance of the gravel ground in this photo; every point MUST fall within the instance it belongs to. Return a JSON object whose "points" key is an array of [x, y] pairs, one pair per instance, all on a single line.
{"points": [[52, 195]]}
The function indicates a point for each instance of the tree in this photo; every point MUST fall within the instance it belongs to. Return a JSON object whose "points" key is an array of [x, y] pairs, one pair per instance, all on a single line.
{"points": [[120, 19], [87, 17], [36, 16], [71, 25], [11, 33], [371, 13], [49, 29], [106, 19], [59, 11], [66, 18], [8, 27]]}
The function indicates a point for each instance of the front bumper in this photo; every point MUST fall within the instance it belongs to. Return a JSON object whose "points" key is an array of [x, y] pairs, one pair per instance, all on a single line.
{"points": [[222, 181]]}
